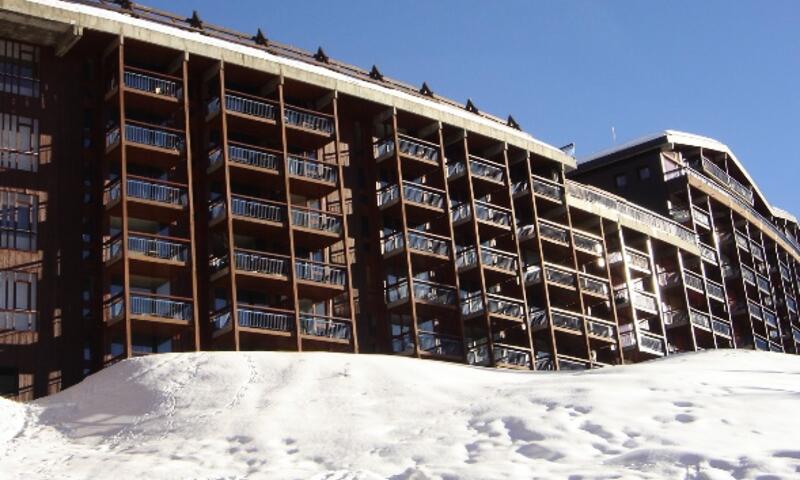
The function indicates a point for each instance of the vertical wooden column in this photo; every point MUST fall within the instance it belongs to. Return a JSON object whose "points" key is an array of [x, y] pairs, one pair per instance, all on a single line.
{"points": [[584, 323], [515, 239], [123, 184], [404, 226], [657, 293], [476, 230], [612, 301], [190, 194], [345, 228], [682, 272], [452, 235], [223, 118], [290, 233]]}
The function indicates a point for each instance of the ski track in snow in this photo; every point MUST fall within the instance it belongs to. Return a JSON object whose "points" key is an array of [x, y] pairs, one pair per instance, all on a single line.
{"points": [[710, 415]]}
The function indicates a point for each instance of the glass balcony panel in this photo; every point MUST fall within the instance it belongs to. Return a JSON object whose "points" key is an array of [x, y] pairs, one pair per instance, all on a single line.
{"points": [[748, 275], [505, 306], [708, 254], [755, 310], [413, 147], [308, 168], [533, 274], [548, 189], [560, 277], [249, 106], [216, 209], [652, 344], [638, 260], [715, 290], [428, 243], [770, 318], [20, 321], [526, 232], [741, 241], [538, 317], [757, 251], [485, 169], [568, 364], [693, 281], [701, 217], [492, 214], [434, 292], [675, 318], [600, 328], [726, 180]]}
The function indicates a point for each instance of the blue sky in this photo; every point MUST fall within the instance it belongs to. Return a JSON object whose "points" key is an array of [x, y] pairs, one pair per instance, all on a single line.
{"points": [[570, 70]]}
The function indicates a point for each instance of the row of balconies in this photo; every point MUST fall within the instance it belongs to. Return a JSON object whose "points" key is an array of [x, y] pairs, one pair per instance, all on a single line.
{"points": [[269, 211], [275, 265], [573, 323], [264, 109], [263, 318], [723, 178], [542, 187]]}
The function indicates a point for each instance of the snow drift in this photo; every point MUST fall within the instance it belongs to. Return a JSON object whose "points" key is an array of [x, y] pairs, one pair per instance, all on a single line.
{"points": [[712, 415]]}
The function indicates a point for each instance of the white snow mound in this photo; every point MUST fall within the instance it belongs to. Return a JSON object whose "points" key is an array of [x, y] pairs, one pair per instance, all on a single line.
{"points": [[711, 415]]}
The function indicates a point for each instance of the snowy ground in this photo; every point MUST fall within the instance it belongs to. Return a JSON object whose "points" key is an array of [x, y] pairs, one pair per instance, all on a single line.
{"points": [[713, 415]]}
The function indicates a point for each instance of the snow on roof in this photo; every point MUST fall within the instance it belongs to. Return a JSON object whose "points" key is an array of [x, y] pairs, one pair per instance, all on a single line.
{"points": [[316, 69], [695, 140], [366, 417]]}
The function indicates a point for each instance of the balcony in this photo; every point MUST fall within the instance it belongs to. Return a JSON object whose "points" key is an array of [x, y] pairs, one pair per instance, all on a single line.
{"points": [[553, 232], [430, 293], [250, 262], [601, 329], [424, 243], [770, 318], [548, 189], [148, 247], [675, 318], [693, 281], [566, 363], [315, 228], [507, 355], [700, 319], [532, 275], [715, 291], [754, 310], [643, 301], [440, 345], [488, 214], [757, 251], [153, 84], [568, 321], [250, 158], [560, 277], [321, 327], [594, 285], [492, 258], [708, 254], [785, 272], [145, 193], [410, 147], [415, 194], [311, 177], [249, 210], [647, 343], [721, 327], [241, 104], [741, 241], [320, 273], [763, 284], [506, 307], [309, 120], [636, 260], [480, 169], [256, 318], [149, 307], [588, 243], [18, 320], [701, 217], [718, 174], [152, 137]]}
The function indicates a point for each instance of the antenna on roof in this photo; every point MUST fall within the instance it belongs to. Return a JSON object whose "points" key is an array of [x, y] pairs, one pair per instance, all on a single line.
{"points": [[613, 135], [194, 20], [471, 106], [260, 39], [569, 149], [375, 73], [513, 123], [426, 90], [320, 56]]}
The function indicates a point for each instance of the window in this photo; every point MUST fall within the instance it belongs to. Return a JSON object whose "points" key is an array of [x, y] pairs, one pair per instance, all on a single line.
{"points": [[19, 142], [19, 68], [644, 173], [17, 301], [621, 180], [18, 221]]}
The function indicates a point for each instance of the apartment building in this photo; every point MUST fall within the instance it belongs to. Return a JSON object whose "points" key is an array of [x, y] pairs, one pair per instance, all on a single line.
{"points": [[195, 188]]}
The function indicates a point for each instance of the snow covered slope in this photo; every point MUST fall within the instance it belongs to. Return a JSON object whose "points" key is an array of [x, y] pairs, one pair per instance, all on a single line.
{"points": [[712, 415]]}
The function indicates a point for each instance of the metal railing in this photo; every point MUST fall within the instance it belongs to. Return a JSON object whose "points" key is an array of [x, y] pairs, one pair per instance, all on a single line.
{"points": [[601, 328], [313, 169], [138, 80], [553, 231], [440, 344], [723, 178], [250, 106], [261, 263], [152, 191], [325, 327], [419, 241], [693, 280], [594, 285], [630, 210], [514, 356], [301, 118], [410, 147], [567, 320], [320, 272], [255, 316], [559, 276], [483, 168], [548, 189], [316, 220], [162, 307], [721, 327], [246, 156], [153, 137], [587, 244], [17, 320], [700, 319], [472, 304], [490, 257], [258, 209], [424, 290], [708, 253], [153, 246], [413, 193]]}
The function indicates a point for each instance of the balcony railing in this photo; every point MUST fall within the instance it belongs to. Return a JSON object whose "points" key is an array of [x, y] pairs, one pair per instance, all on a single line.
{"points": [[312, 169], [700, 319], [148, 189], [630, 210], [636, 260], [158, 247], [641, 300], [553, 232], [479, 167], [526, 232], [748, 275], [675, 317], [254, 316], [763, 284], [715, 290], [708, 253], [757, 251], [242, 155], [770, 318], [548, 189], [587, 243], [148, 82], [755, 310], [723, 178], [161, 307], [532, 274], [250, 106], [424, 290], [567, 320], [669, 279], [316, 220], [319, 272], [409, 147], [601, 328], [721, 327], [558, 276], [257, 209], [513, 356], [325, 327], [309, 120], [423, 242], [143, 134], [693, 281], [261, 263], [701, 217], [440, 344], [785, 272], [593, 285], [413, 193], [18, 320], [472, 305], [571, 364], [490, 257]]}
